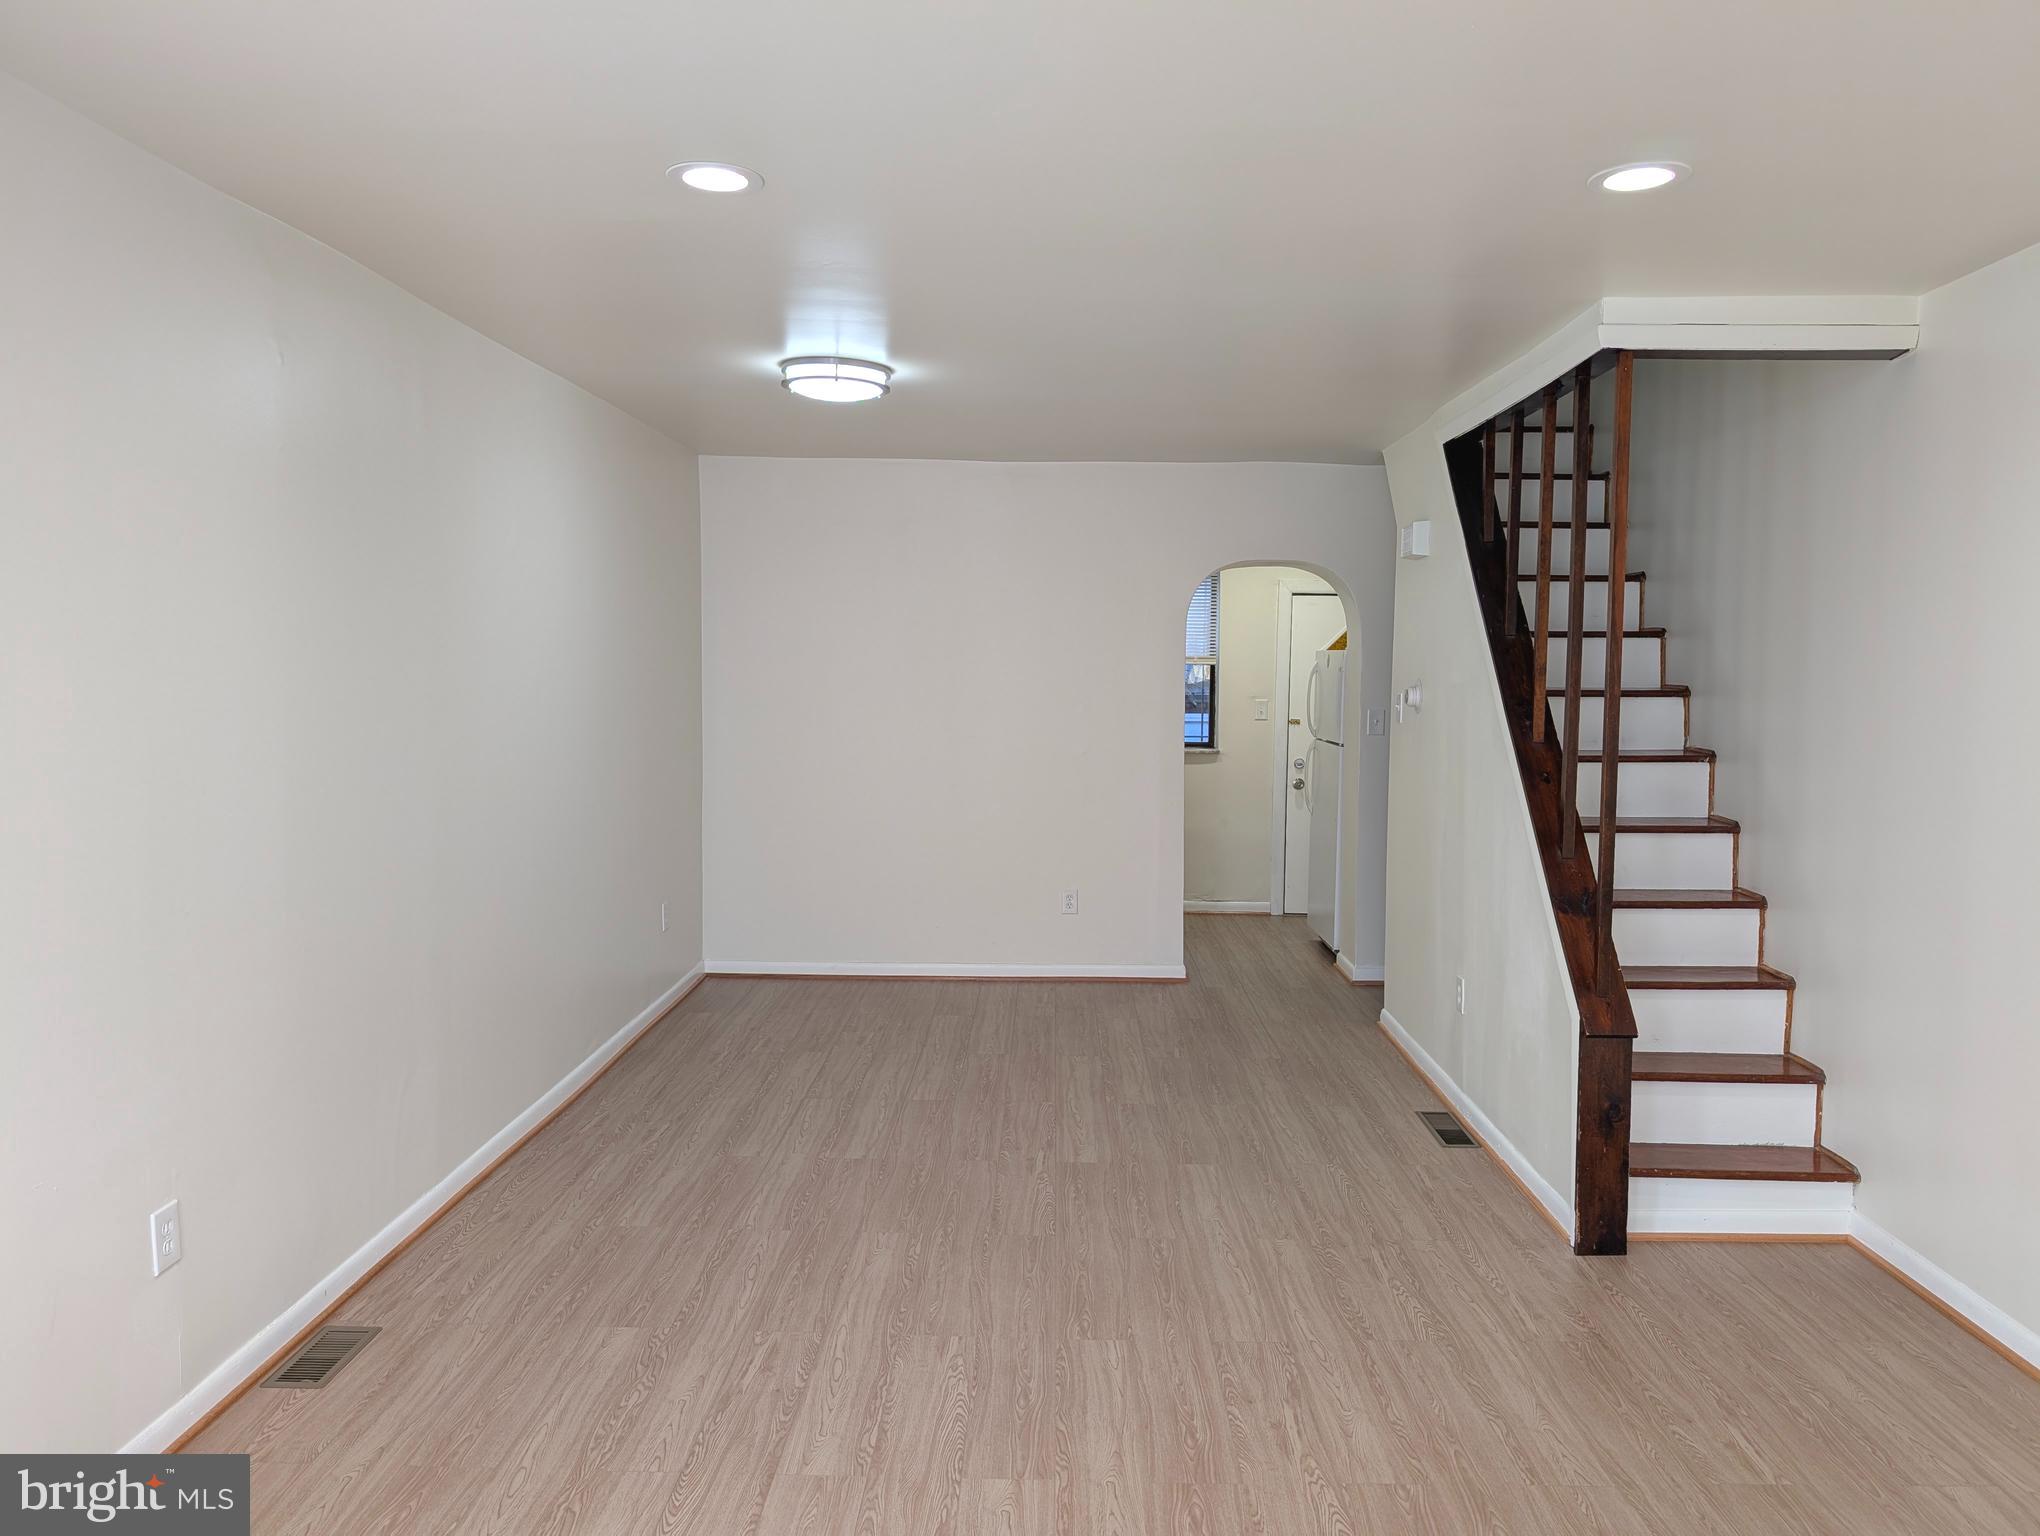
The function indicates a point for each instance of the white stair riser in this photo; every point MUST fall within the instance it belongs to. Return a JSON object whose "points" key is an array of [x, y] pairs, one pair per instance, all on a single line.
{"points": [[1683, 861], [1748, 1019], [1561, 551], [1596, 611], [1739, 1205], [1643, 661], [1650, 722], [1533, 492], [1648, 789], [1724, 1114], [1687, 936]]}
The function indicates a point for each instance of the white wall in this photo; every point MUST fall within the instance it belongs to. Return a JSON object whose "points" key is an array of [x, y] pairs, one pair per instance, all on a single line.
{"points": [[349, 676], [1844, 555], [939, 693], [1467, 891], [1228, 795]]}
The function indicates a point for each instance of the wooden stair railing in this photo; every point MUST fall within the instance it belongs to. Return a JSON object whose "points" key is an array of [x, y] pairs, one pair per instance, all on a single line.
{"points": [[1582, 904]]}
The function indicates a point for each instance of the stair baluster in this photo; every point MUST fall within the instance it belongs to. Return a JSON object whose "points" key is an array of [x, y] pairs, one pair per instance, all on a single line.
{"points": [[1576, 608], [1605, 965], [1509, 603], [1487, 485], [1540, 633]]}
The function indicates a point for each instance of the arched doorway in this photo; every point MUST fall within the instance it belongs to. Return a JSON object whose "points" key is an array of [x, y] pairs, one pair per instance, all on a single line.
{"points": [[1266, 651]]}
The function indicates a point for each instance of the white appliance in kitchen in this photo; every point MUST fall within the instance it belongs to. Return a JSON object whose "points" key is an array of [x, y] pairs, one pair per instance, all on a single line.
{"points": [[1324, 713]]}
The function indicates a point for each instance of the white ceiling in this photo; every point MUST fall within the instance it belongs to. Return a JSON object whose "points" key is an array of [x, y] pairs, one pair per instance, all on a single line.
{"points": [[1168, 229]]}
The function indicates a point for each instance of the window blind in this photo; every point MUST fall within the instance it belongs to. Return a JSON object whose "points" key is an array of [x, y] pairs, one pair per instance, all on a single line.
{"points": [[1200, 629]]}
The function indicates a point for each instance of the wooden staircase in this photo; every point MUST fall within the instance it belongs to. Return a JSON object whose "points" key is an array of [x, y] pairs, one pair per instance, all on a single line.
{"points": [[1694, 1110], [1718, 1094]]}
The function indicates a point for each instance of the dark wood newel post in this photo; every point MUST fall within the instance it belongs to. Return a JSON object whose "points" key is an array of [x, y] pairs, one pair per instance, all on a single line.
{"points": [[1601, 1168], [1601, 1159]]}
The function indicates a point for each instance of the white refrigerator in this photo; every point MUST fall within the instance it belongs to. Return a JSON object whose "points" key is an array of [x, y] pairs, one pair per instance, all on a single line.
{"points": [[1324, 712]]}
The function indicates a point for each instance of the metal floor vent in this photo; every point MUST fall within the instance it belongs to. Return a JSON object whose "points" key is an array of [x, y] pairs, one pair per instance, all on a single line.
{"points": [[1447, 1129], [321, 1358]]}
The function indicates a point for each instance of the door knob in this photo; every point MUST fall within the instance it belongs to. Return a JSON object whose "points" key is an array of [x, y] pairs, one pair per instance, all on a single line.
{"points": [[1296, 783]]}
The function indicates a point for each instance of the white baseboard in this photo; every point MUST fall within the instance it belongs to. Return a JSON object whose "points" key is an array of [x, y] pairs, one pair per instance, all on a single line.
{"points": [[1540, 1188], [1224, 906], [879, 969], [1986, 1316], [231, 1372], [1360, 975]]}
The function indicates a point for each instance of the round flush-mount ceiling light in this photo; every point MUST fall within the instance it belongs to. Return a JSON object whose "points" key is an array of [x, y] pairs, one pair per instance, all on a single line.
{"points": [[1639, 176], [838, 380], [715, 176]]}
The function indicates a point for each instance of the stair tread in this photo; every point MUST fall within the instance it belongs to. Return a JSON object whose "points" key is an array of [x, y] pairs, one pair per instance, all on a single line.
{"points": [[1701, 1160], [1648, 632], [1656, 755], [1560, 576], [1530, 475], [1656, 690], [1701, 824], [1723, 1067], [1679, 896], [1678, 978]]}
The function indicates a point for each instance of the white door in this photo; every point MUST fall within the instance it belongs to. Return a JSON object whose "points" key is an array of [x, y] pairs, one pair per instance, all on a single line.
{"points": [[1316, 619]]}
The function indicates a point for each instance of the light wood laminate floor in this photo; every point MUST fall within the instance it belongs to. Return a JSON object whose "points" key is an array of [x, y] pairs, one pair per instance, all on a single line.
{"points": [[907, 1258]]}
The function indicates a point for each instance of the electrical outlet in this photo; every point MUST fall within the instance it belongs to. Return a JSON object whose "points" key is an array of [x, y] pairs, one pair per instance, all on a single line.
{"points": [[662, 917], [1069, 904], [1460, 994], [166, 1238]]}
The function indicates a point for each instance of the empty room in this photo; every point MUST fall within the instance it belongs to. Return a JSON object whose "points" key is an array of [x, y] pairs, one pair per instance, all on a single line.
{"points": [[620, 914]]}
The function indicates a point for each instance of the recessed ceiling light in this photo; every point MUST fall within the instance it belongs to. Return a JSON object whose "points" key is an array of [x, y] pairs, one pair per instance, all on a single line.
{"points": [[839, 380], [715, 176], [1639, 177]]}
